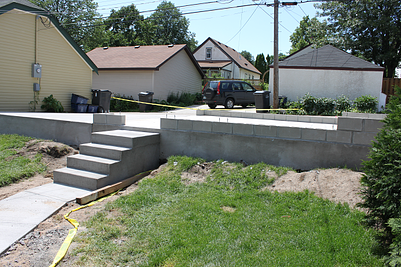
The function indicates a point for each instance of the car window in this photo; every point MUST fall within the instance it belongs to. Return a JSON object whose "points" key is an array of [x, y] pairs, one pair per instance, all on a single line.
{"points": [[237, 86], [225, 86], [247, 87], [212, 85]]}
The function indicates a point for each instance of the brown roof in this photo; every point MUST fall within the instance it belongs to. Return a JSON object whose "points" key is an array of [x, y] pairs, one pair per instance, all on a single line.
{"points": [[232, 54], [214, 64], [137, 57]]}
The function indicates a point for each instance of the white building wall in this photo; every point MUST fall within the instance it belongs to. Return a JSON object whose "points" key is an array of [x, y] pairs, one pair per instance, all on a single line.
{"points": [[295, 83], [217, 54], [179, 74], [124, 82]]}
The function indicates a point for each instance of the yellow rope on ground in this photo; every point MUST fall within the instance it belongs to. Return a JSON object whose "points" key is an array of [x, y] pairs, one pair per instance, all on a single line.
{"points": [[68, 240], [170, 106]]}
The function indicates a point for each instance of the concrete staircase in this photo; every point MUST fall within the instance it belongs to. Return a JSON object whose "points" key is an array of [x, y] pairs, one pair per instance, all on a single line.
{"points": [[112, 156]]}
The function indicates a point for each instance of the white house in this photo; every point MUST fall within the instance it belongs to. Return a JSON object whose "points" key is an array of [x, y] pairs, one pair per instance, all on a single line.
{"points": [[327, 72], [215, 57], [162, 69]]}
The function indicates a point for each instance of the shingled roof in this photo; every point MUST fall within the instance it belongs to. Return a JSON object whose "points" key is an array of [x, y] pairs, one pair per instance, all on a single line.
{"points": [[327, 57], [150, 57], [232, 54]]}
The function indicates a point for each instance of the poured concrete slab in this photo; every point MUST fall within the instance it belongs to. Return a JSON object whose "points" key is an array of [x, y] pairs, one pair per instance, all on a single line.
{"points": [[22, 212]]}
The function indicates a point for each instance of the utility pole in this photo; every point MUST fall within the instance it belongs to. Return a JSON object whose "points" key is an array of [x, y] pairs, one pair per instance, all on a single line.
{"points": [[275, 63]]}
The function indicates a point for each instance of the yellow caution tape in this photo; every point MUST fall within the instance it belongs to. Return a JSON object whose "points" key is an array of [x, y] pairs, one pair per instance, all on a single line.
{"points": [[68, 240], [170, 106]]}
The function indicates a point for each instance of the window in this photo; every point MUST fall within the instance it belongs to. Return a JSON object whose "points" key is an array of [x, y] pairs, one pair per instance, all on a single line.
{"points": [[208, 52], [237, 86], [247, 87]]}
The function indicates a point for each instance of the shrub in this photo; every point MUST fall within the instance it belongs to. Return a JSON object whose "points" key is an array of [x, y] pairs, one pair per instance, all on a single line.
{"points": [[382, 192], [366, 103], [343, 104], [318, 106], [121, 105], [394, 258], [50, 104]]}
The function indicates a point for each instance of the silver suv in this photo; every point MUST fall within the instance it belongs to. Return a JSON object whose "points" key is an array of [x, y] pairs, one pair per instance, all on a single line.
{"points": [[228, 93]]}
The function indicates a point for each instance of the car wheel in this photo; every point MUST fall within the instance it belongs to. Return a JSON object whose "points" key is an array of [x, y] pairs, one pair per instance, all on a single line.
{"points": [[244, 105], [212, 106], [229, 103]]}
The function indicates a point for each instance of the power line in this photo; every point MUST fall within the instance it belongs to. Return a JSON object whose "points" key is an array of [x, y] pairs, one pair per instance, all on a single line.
{"points": [[291, 15], [273, 19], [243, 25], [302, 10]]}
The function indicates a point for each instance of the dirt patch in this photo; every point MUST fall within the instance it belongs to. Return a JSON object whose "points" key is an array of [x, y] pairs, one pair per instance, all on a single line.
{"points": [[338, 185], [40, 246]]}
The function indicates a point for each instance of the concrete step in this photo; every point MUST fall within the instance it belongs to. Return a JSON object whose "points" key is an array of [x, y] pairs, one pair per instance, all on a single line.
{"points": [[91, 163], [79, 178], [124, 138], [102, 150]]}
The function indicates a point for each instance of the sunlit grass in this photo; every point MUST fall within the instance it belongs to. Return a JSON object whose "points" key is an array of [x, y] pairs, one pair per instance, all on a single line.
{"points": [[14, 167], [226, 221]]}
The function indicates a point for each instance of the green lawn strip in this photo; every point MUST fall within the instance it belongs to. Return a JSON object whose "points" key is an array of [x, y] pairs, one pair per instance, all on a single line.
{"points": [[14, 167], [167, 223]]}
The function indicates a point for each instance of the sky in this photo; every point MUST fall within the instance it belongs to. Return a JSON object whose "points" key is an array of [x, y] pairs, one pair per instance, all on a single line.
{"points": [[245, 28]]}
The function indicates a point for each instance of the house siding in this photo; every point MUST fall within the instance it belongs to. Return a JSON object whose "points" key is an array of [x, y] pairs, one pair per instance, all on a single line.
{"points": [[124, 82], [217, 54], [63, 70], [295, 83], [178, 74]]}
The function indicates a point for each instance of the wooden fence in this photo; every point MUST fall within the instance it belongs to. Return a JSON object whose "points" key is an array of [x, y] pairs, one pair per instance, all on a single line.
{"points": [[388, 86]]}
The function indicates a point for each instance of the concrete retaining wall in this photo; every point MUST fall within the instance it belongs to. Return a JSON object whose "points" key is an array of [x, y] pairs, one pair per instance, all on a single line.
{"points": [[268, 116], [300, 148], [70, 133]]}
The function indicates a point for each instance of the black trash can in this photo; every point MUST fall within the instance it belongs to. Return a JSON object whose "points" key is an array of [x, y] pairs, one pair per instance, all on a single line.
{"points": [[145, 97], [262, 101], [101, 98]]}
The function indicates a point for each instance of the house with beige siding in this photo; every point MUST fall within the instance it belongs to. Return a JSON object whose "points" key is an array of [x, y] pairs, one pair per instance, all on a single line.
{"points": [[162, 69], [37, 53], [215, 57]]}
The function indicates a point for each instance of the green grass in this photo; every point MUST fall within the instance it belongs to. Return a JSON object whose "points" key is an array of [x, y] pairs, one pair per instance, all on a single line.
{"points": [[14, 167], [229, 220]]}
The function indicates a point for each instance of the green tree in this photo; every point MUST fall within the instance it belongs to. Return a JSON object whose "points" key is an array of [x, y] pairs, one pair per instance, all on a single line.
{"points": [[248, 56], [261, 65], [75, 16], [169, 26], [310, 31], [382, 184], [125, 27], [368, 28]]}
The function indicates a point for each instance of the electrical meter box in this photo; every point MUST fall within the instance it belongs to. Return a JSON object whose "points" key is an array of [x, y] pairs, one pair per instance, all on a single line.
{"points": [[36, 87], [36, 70]]}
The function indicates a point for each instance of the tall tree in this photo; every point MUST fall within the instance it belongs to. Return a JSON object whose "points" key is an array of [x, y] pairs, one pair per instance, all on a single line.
{"points": [[125, 27], [248, 56], [171, 27], [261, 64], [76, 16], [310, 31], [368, 28]]}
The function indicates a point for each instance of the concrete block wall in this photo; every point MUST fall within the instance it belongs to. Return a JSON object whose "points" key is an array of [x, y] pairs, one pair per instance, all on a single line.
{"points": [[268, 116], [352, 131]]}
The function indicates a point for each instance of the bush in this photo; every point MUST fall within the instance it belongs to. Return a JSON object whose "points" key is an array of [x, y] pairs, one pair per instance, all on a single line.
{"points": [[343, 104], [121, 105], [318, 106], [366, 104], [50, 104], [382, 192], [394, 258]]}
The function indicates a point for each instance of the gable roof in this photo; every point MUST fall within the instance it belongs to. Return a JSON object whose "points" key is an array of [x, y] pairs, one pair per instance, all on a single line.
{"points": [[138, 57], [327, 57], [7, 5], [232, 54]]}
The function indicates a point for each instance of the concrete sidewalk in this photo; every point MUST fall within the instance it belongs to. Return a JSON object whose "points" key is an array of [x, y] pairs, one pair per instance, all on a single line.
{"points": [[22, 212]]}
